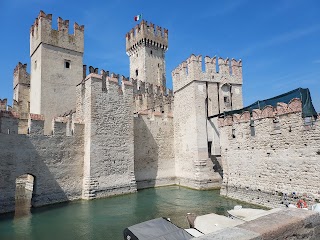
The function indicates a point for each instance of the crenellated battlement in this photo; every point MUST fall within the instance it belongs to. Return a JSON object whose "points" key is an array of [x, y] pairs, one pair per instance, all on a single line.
{"points": [[20, 75], [146, 34], [294, 106], [10, 123], [163, 104], [236, 67], [109, 82], [191, 69], [64, 126], [20, 66], [157, 112], [41, 32], [8, 114], [149, 97], [140, 87], [3, 104]]}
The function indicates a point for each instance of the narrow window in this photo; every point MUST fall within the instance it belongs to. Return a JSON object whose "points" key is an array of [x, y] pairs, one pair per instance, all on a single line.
{"points": [[209, 148], [276, 124], [67, 64], [158, 65], [226, 101], [252, 130], [233, 133], [151, 52], [137, 73], [35, 64]]}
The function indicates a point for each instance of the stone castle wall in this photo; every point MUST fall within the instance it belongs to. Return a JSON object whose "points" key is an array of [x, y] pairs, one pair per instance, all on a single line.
{"points": [[272, 160], [107, 110], [154, 163], [55, 161], [153, 135]]}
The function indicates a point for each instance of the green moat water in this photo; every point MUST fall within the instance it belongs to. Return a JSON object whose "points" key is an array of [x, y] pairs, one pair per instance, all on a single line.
{"points": [[107, 218]]}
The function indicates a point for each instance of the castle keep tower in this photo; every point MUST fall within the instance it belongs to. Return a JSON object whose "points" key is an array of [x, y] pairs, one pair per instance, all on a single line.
{"points": [[56, 66], [198, 95], [146, 45]]}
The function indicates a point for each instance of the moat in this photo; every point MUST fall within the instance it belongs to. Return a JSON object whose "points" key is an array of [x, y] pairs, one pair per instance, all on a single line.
{"points": [[106, 218]]}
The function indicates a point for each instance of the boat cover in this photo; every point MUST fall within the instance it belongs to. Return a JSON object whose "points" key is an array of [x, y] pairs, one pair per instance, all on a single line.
{"points": [[303, 94], [156, 229]]}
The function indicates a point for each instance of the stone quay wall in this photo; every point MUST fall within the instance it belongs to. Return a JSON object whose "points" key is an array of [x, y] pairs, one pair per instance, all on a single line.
{"points": [[283, 224], [271, 158]]}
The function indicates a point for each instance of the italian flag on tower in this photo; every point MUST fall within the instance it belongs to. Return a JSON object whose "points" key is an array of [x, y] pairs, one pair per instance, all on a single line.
{"points": [[138, 17]]}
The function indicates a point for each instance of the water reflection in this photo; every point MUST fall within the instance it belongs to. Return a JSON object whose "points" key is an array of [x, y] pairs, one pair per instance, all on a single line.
{"points": [[22, 225], [23, 196]]}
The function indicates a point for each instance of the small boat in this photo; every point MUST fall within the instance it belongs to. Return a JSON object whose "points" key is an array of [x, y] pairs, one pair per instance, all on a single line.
{"points": [[159, 228]]}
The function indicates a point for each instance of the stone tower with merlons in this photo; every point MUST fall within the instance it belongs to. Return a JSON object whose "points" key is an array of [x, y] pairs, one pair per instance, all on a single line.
{"points": [[199, 97], [146, 45], [56, 67]]}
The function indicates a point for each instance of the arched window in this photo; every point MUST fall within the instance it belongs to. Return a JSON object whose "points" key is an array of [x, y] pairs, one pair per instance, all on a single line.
{"points": [[226, 93]]}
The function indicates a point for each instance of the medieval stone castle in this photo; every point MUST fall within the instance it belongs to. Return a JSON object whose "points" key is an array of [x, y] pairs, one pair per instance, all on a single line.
{"points": [[89, 135]]}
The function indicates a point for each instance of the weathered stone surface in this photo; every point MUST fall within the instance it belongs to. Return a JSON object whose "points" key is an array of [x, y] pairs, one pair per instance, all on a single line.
{"points": [[154, 163], [108, 137], [230, 234], [53, 84], [55, 161], [277, 165], [283, 224], [198, 95]]}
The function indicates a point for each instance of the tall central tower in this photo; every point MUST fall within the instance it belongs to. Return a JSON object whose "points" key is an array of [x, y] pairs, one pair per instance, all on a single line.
{"points": [[146, 45]]}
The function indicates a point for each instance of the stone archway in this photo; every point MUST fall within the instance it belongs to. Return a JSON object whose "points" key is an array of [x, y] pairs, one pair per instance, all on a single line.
{"points": [[23, 195]]}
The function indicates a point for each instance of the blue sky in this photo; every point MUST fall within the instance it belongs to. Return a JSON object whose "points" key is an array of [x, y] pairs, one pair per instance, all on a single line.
{"points": [[277, 40]]}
